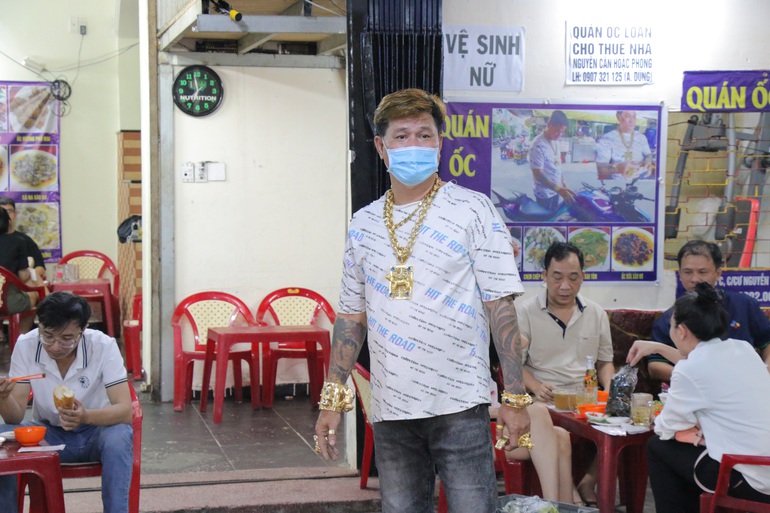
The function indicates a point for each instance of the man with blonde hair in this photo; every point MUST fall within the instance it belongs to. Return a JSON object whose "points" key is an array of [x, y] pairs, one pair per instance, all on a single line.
{"points": [[428, 269]]}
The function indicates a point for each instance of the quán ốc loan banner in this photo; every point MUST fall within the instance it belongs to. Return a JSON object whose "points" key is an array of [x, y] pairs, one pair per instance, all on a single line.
{"points": [[605, 163]]}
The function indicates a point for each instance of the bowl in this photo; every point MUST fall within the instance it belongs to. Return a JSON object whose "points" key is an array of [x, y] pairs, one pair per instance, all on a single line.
{"points": [[29, 435], [584, 408]]}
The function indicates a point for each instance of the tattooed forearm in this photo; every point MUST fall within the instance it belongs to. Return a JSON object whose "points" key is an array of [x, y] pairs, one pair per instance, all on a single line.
{"points": [[508, 341], [347, 339]]}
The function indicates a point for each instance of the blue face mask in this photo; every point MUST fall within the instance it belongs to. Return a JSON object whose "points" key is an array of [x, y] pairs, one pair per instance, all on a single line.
{"points": [[412, 165]]}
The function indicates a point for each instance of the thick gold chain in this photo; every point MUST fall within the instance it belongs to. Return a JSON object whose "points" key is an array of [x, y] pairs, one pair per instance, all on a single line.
{"points": [[407, 218], [623, 140], [403, 252]]}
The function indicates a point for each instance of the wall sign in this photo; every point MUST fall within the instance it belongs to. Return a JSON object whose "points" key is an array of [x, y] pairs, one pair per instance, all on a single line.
{"points": [[726, 91], [483, 58], [621, 54], [606, 157], [29, 161]]}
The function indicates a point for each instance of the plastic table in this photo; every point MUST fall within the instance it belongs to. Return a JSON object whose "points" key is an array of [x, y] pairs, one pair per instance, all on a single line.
{"points": [[218, 345]]}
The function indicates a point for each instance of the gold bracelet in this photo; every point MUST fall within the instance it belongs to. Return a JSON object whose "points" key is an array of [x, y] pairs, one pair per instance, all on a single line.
{"points": [[517, 401], [336, 397]]}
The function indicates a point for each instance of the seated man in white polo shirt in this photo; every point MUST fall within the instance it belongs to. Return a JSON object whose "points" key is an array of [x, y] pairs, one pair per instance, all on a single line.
{"points": [[98, 427], [563, 328]]}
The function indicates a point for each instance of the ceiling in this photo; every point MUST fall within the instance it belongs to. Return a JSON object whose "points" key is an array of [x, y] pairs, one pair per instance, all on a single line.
{"points": [[302, 27]]}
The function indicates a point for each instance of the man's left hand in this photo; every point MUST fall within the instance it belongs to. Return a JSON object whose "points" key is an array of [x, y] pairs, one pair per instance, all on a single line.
{"points": [[70, 419], [516, 422]]}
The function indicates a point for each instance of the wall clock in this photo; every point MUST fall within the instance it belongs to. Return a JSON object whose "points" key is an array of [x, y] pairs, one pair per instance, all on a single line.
{"points": [[198, 90]]}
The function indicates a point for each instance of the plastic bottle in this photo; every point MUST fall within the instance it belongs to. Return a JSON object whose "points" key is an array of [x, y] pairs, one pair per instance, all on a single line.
{"points": [[590, 378], [590, 381]]}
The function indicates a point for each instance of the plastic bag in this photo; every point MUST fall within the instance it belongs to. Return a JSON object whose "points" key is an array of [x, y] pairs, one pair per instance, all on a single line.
{"points": [[529, 505], [621, 389]]}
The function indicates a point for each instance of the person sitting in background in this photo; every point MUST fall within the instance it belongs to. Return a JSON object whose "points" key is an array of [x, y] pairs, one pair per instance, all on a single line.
{"points": [[701, 261], [13, 256], [719, 386], [98, 427], [551, 455], [563, 327], [32, 249]]}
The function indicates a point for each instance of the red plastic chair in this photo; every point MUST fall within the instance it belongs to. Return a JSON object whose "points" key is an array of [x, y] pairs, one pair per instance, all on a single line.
{"points": [[78, 470], [91, 265], [132, 338], [292, 306], [719, 500], [200, 312], [361, 380], [14, 319]]}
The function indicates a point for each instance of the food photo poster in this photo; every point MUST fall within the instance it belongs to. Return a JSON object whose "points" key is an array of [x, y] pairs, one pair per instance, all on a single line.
{"points": [[29, 161], [586, 174]]}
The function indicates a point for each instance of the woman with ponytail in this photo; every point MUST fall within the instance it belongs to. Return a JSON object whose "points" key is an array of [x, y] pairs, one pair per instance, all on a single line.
{"points": [[721, 389]]}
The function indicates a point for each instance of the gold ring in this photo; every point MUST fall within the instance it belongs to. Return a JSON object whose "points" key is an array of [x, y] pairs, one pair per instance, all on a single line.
{"points": [[526, 442], [317, 448], [332, 431], [500, 427], [501, 442]]}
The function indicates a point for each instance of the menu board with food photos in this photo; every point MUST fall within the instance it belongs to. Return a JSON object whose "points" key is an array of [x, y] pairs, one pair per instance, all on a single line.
{"points": [[29, 161], [585, 174]]}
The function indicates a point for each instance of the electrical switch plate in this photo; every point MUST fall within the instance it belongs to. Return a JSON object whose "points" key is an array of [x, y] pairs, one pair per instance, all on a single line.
{"points": [[188, 172], [201, 173], [216, 171]]}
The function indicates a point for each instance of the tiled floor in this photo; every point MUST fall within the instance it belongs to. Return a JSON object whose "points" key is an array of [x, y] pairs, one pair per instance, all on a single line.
{"points": [[188, 441]]}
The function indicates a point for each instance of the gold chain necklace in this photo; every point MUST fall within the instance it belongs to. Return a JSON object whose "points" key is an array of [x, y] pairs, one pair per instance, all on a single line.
{"points": [[401, 276], [629, 145], [407, 218]]}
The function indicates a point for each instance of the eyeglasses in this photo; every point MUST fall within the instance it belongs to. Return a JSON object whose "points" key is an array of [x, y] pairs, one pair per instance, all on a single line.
{"points": [[65, 343]]}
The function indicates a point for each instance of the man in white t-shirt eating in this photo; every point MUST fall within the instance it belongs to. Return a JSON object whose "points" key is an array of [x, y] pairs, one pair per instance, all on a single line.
{"points": [[98, 427]]}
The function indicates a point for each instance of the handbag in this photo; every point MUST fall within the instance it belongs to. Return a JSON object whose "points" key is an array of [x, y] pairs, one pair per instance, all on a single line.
{"points": [[694, 436]]}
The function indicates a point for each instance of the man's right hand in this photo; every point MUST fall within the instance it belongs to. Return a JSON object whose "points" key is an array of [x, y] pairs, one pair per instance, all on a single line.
{"points": [[566, 194], [326, 434], [6, 387], [543, 392]]}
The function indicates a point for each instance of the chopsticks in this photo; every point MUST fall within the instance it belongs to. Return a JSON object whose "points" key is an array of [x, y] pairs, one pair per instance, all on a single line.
{"points": [[39, 375]]}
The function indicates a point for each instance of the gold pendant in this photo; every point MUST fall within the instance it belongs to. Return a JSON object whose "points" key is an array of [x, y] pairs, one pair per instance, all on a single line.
{"points": [[401, 278], [629, 156]]}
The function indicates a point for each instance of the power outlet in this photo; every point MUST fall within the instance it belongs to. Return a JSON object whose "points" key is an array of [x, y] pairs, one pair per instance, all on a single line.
{"points": [[188, 172], [78, 25], [201, 172]]}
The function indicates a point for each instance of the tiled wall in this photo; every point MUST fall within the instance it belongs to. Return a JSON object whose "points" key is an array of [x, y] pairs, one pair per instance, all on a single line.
{"points": [[129, 203]]}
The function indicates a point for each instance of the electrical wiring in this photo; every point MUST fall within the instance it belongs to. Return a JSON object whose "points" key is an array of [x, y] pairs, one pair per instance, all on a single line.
{"points": [[60, 88], [96, 60]]}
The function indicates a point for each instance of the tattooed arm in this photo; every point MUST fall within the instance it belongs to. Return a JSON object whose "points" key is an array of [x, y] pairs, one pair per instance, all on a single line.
{"points": [[347, 340], [510, 348]]}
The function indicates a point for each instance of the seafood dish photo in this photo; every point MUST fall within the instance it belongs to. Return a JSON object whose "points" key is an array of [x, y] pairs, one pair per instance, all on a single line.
{"points": [[33, 169]]}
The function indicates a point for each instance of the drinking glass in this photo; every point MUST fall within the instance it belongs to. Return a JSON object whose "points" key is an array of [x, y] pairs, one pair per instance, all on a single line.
{"points": [[641, 409], [564, 399], [586, 395]]}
